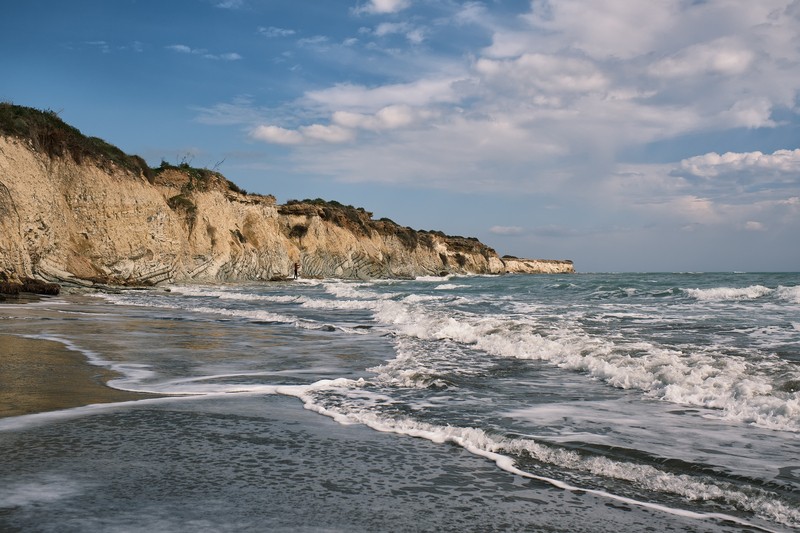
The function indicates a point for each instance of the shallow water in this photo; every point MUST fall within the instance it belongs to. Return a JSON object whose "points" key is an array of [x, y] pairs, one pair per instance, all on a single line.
{"points": [[583, 402]]}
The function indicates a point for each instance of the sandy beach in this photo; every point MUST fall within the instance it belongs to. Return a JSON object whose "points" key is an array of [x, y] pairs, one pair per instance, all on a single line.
{"points": [[39, 375]]}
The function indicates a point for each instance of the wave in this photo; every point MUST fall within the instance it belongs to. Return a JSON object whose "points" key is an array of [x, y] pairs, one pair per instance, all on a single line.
{"points": [[253, 315], [791, 294], [719, 294], [450, 287], [513, 454], [740, 390], [233, 295]]}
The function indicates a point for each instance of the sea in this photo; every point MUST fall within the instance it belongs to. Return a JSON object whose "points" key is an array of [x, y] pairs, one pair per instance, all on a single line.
{"points": [[581, 402]]}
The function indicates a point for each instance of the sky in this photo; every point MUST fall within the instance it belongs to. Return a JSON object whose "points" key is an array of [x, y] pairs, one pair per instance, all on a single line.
{"points": [[624, 135]]}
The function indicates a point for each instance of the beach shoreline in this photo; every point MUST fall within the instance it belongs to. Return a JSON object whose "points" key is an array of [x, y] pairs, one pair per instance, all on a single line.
{"points": [[39, 375]]}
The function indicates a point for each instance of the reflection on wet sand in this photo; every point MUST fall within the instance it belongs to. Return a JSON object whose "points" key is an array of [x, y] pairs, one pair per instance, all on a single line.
{"points": [[41, 375]]}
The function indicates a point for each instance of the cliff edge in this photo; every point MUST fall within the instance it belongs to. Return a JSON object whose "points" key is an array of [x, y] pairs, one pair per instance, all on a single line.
{"points": [[74, 209]]}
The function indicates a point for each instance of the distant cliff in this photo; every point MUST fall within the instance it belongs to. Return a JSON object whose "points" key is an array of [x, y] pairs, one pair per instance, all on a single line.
{"points": [[75, 209]]}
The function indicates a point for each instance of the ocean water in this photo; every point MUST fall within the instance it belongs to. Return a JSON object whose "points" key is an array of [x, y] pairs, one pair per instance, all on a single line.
{"points": [[585, 402]]}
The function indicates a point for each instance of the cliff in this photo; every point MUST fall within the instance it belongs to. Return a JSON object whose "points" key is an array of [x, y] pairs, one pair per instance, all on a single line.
{"points": [[74, 209]]}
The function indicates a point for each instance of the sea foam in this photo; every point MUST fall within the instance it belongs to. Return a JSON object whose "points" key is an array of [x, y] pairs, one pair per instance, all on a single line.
{"points": [[730, 384], [729, 293], [505, 452]]}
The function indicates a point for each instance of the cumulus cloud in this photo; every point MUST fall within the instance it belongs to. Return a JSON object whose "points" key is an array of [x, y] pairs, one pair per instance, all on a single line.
{"points": [[303, 135], [328, 134], [607, 28], [713, 164], [547, 106], [383, 6], [749, 113], [723, 56], [422, 92], [387, 118], [276, 135], [543, 73]]}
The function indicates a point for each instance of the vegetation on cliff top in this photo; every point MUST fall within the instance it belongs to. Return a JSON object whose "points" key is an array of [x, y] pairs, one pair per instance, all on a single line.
{"points": [[50, 135], [359, 221]]}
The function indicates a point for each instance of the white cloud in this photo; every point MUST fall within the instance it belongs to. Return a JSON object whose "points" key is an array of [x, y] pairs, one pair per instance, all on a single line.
{"points": [[359, 98], [387, 118], [303, 135], [753, 225], [230, 56], [723, 56], [506, 230], [328, 134], [543, 73], [317, 41], [272, 32], [749, 113], [231, 4], [388, 28], [103, 46], [547, 107], [276, 135], [183, 49], [607, 28], [413, 34], [375, 7], [713, 164]]}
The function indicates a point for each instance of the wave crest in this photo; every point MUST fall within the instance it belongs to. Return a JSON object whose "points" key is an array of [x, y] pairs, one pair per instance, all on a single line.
{"points": [[730, 293]]}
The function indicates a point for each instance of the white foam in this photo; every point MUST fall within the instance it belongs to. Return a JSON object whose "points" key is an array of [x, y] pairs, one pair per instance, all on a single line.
{"points": [[434, 279], [318, 303], [450, 287], [791, 294], [349, 290], [133, 372], [48, 489], [500, 450], [258, 315], [741, 390], [719, 294], [235, 295]]}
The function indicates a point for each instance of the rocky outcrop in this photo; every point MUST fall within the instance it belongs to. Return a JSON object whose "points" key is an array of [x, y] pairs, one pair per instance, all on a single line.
{"points": [[101, 217], [514, 265]]}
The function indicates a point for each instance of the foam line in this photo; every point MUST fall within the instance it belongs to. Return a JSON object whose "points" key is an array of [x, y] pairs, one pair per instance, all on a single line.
{"points": [[418, 430]]}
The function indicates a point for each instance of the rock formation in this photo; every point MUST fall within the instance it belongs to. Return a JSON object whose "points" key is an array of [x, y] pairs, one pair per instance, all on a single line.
{"points": [[74, 209]]}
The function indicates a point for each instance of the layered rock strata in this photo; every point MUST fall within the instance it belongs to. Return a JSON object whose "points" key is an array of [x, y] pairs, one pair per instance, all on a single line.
{"points": [[94, 220]]}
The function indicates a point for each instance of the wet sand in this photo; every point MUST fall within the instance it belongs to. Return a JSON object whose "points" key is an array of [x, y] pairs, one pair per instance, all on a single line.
{"points": [[39, 375]]}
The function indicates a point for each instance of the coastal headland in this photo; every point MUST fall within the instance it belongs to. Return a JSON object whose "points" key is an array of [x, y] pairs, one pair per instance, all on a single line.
{"points": [[76, 210]]}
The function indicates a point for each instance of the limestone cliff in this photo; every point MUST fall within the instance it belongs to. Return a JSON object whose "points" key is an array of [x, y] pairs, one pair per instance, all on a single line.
{"points": [[75, 209]]}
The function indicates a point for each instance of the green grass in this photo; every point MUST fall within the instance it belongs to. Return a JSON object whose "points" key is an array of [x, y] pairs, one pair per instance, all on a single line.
{"points": [[50, 135]]}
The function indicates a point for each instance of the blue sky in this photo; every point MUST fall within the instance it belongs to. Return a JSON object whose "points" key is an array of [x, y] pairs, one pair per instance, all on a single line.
{"points": [[625, 135]]}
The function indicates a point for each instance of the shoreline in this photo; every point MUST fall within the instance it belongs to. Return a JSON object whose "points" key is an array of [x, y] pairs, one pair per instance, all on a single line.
{"points": [[38, 376]]}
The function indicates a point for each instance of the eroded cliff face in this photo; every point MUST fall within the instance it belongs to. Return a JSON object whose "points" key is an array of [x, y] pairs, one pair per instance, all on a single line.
{"points": [[86, 223]]}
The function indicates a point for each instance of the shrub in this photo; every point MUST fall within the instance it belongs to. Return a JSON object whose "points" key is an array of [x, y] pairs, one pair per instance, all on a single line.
{"points": [[180, 202], [298, 231], [51, 136]]}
